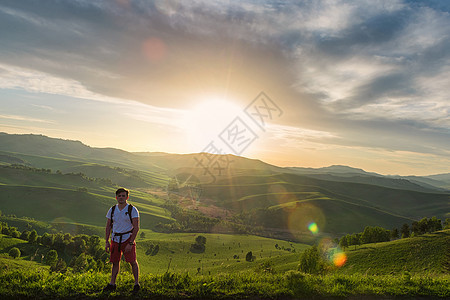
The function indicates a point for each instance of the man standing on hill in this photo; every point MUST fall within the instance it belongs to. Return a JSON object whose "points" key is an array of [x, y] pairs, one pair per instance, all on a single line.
{"points": [[122, 225]]}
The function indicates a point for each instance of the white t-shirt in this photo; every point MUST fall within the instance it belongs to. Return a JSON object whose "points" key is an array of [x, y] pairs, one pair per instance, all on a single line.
{"points": [[121, 222]]}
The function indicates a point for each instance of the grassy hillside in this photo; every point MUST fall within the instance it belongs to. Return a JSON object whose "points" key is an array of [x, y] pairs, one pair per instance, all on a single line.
{"points": [[39, 145], [174, 274], [26, 223], [236, 191], [30, 254], [250, 188], [223, 253], [33, 177], [117, 173], [69, 202], [277, 201], [71, 206], [428, 253]]}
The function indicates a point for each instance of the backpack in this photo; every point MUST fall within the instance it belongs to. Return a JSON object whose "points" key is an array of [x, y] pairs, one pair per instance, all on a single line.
{"points": [[113, 208]]}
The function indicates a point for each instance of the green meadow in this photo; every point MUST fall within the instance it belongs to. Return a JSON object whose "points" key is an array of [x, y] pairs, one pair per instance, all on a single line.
{"points": [[176, 273], [424, 254], [255, 221], [223, 253]]}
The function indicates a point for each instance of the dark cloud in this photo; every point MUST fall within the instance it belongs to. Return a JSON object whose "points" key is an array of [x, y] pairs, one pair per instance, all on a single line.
{"points": [[368, 35], [392, 135], [389, 85]]}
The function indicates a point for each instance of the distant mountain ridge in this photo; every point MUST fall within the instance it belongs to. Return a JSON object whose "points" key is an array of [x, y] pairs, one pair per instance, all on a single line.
{"points": [[41, 145], [333, 169]]}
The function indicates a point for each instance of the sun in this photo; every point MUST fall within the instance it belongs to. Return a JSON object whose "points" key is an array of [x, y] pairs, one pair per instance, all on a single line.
{"points": [[206, 120]]}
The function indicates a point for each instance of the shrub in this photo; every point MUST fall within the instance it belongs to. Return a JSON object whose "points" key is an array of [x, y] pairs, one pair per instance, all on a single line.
{"points": [[60, 266], [249, 256], [311, 261], [80, 263], [32, 237], [197, 248], [51, 258], [200, 240], [14, 252], [24, 235]]}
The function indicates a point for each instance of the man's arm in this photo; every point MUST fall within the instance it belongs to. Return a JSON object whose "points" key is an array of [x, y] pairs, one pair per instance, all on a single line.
{"points": [[135, 229], [107, 234], [135, 222]]}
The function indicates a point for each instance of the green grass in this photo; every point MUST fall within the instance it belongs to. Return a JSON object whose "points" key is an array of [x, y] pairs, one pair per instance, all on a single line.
{"points": [[7, 242], [27, 252], [421, 254], [409, 204], [218, 254], [95, 167], [70, 206], [372, 271], [247, 285], [8, 263]]}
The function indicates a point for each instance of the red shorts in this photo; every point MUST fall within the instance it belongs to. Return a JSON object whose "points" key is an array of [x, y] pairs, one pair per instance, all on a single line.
{"points": [[116, 255]]}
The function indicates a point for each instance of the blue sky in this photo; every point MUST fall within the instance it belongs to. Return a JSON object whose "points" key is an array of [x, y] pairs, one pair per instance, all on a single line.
{"points": [[358, 83]]}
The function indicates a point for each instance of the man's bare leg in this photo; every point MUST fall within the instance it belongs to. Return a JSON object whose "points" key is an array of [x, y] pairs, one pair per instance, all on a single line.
{"points": [[114, 271], [135, 269]]}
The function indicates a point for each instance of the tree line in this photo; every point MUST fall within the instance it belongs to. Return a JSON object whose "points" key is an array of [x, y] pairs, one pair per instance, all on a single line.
{"points": [[104, 181], [86, 251], [378, 234]]}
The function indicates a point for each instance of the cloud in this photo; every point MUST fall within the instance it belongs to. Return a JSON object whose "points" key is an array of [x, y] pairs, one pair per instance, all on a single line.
{"points": [[13, 77], [25, 118], [355, 70]]}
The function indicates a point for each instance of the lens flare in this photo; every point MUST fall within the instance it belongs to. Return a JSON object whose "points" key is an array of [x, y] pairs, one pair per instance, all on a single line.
{"points": [[305, 220], [339, 259], [313, 228], [154, 49]]}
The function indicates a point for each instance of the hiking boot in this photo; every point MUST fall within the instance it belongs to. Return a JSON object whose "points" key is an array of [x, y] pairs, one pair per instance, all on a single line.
{"points": [[109, 288], [136, 288]]}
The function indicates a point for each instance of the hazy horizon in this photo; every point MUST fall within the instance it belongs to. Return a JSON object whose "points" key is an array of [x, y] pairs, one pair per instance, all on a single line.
{"points": [[189, 153], [356, 83]]}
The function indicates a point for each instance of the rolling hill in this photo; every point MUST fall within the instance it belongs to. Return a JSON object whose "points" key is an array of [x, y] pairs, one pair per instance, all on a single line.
{"points": [[47, 178], [425, 254]]}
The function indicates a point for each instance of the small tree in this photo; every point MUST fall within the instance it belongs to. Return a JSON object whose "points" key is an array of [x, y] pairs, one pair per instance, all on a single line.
{"points": [[199, 246], [405, 231], [249, 256], [355, 239], [435, 224], [343, 242], [14, 233], [394, 234], [14, 252], [32, 238], [447, 223], [47, 239], [200, 240], [142, 235], [311, 261], [51, 258], [24, 235]]}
